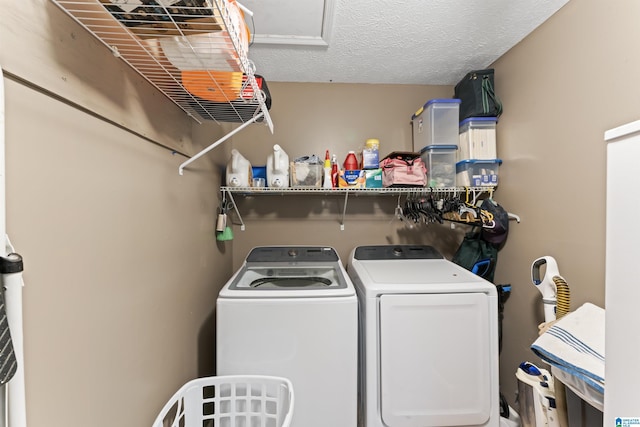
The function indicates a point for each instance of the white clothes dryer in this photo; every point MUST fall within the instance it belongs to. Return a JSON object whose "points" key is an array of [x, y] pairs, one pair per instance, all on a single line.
{"points": [[428, 340], [293, 312]]}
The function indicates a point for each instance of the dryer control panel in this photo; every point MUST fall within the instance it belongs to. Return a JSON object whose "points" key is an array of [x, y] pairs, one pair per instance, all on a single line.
{"points": [[385, 252]]}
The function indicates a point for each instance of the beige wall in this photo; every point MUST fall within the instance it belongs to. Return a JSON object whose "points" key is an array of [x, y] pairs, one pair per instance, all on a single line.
{"points": [[121, 263], [42, 45], [313, 118], [562, 87], [130, 318]]}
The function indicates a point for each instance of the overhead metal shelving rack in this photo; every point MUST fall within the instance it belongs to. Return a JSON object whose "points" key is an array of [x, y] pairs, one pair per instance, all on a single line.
{"points": [[172, 43]]}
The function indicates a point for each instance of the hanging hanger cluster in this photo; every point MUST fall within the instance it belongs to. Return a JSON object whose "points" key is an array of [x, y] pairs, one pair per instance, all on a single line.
{"points": [[420, 208]]}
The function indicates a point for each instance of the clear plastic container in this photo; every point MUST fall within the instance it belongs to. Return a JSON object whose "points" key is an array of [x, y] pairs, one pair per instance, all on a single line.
{"points": [[478, 138], [306, 174], [440, 161], [436, 123], [477, 173]]}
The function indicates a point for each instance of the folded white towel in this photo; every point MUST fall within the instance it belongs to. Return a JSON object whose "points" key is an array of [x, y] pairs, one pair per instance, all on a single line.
{"points": [[575, 345]]}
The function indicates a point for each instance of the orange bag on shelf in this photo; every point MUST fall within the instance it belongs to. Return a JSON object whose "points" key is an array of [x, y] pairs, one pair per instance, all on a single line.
{"points": [[216, 86]]}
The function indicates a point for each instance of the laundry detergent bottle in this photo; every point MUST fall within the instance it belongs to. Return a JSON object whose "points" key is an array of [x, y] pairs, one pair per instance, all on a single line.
{"points": [[278, 168], [239, 172]]}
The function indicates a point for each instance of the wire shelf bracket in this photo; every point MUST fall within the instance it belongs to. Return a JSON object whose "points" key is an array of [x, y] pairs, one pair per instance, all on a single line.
{"points": [[218, 142]]}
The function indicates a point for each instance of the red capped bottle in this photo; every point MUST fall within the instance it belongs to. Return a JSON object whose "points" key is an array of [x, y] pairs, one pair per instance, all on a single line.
{"points": [[334, 171], [351, 162]]}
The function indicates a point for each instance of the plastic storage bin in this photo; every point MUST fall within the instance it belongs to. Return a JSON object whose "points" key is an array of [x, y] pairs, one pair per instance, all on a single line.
{"points": [[440, 161], [306, 174], [436, 123], [478, 138], [477, 173], [233, 400]]}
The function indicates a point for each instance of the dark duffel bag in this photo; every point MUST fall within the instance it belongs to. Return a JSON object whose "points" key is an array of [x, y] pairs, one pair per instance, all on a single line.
{"points": [[477, 95]]}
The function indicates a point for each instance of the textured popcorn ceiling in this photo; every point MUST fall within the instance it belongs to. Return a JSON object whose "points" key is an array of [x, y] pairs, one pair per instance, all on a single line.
{"points": [[390, 41]]}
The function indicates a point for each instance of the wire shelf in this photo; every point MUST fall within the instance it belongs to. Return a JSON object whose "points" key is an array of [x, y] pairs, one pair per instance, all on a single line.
{"points": [[193, 51], [473, 192], [356, 191]]}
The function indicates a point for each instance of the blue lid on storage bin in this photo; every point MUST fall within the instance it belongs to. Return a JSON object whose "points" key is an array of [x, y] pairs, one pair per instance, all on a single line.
{"points": [[478, 119], [465, 164], [435, 101], [442, 100], [439, 147]]}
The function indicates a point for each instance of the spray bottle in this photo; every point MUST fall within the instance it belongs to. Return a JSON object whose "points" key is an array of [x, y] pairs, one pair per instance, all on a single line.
{"points": [[327, 183], [334, 171]]}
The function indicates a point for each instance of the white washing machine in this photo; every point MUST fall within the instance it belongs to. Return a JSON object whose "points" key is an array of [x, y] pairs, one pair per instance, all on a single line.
{"points": [[293, 312], [428, 337]]}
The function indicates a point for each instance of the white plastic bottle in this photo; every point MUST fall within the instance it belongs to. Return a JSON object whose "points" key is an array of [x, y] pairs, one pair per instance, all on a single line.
{"points": [[327, 183], [238, 170], [278, 168]]}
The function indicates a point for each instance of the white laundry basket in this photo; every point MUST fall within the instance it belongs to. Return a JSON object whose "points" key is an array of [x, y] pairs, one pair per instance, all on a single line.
{"points": [[230, 401]]}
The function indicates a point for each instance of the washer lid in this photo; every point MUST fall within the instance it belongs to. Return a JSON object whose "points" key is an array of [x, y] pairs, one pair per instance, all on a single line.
{"points": [[290, 271], [293, 277]]}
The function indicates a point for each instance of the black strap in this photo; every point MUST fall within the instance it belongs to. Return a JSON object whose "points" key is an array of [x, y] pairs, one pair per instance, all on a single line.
{"points": [[489, 93]]}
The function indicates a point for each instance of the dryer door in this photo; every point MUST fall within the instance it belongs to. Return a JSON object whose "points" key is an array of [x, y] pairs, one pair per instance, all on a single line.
{"points": [[435, 359]]}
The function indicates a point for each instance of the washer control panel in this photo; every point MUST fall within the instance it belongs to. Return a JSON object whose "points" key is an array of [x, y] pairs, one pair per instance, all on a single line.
{"points": [[301, 254]]}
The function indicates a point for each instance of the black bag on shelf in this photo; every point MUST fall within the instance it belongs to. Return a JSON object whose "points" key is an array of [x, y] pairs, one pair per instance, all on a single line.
{"points": [[477, 96]]}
